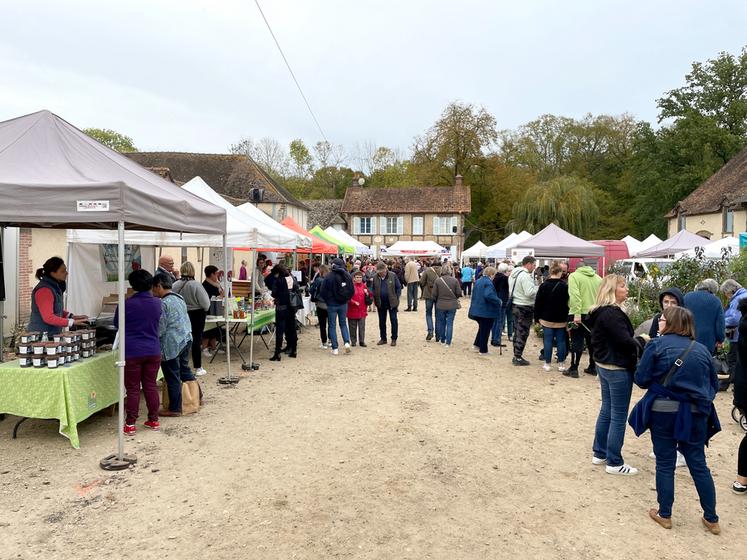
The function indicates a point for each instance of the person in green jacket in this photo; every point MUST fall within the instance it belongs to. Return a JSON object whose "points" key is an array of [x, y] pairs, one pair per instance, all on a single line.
{"points": [[583, 285]]}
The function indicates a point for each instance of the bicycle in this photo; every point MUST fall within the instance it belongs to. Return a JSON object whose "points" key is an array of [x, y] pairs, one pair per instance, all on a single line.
{"points": [[739, 418]]}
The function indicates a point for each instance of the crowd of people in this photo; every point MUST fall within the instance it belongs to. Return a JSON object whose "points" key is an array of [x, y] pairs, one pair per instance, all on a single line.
{"points": [[578, 312]]}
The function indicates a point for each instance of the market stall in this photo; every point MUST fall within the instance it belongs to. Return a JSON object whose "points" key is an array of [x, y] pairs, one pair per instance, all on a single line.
{"points": [[681, 241], [360, 248], [415, 249], [478, 251], [318, 246], [727, 247], [54, 175], [324, 236], [502, 249], [555, 242]]}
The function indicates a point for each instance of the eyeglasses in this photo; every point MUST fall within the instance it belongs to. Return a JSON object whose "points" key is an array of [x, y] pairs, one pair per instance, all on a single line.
{"points": [[662, 319]]}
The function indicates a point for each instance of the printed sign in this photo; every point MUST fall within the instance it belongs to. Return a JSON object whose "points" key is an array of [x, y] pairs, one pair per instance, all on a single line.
{"points": [[93, 206], [110, 260], [518, 254]]}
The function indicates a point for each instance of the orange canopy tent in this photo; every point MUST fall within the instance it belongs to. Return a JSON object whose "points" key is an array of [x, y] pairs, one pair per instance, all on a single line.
{"points": [[317, 245]]}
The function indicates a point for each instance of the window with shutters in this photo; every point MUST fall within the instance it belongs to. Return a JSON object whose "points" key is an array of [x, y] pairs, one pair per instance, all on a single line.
{"points": [[364, 226], [417, 225], [442, 225], [391, 225]]}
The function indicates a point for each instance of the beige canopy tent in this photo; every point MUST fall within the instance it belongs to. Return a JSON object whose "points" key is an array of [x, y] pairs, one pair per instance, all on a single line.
{"points": [[54, 175]]}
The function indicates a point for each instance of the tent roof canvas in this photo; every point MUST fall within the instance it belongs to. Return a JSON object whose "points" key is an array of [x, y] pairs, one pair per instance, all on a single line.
{"points": [[342, 235], [320, 233], [554, 241], [478, 250], [681, 241], [633, 244], [416, 249], [647, 243], [502, 249], [267, 223], [51, 173], [317, 245], [715, 249]]}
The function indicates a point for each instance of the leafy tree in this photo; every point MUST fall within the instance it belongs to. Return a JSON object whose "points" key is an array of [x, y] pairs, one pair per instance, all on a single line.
{"points": [[454, 145], [567, 201], [112, 139], [301, 158]]}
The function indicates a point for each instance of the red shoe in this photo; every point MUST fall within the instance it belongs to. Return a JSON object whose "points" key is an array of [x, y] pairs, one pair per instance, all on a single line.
{"points": [[152, 424], [129, 429]]}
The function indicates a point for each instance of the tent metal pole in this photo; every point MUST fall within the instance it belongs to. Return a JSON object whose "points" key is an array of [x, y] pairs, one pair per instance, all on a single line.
{"points": [[2, 301], [252, 288], [120, 461], [225, 306]]}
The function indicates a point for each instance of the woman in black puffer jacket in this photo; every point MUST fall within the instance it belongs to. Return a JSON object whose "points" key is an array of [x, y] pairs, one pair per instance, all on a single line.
{"points": [[616, 351]]}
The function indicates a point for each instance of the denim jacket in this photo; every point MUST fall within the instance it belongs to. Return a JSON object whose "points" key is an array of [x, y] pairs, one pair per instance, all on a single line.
{"points": [[174, 327]]}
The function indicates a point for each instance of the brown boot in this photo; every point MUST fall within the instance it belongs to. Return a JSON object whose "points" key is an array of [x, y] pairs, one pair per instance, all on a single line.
{"points": [[665, 522], [714, 528]]}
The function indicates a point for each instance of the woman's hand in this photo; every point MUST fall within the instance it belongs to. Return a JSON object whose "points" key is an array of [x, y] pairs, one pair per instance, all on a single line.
{"points": [[80, 322]]}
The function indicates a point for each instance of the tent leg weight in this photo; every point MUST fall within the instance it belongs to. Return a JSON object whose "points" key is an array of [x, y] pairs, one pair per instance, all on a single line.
{"points": [[113, 463]]}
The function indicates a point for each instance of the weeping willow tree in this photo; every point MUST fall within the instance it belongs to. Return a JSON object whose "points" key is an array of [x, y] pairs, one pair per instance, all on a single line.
{"points": [[567, 201]]}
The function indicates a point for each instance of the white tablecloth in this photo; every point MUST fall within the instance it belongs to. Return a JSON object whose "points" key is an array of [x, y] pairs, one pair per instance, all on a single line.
{"points": [[303, 314]]}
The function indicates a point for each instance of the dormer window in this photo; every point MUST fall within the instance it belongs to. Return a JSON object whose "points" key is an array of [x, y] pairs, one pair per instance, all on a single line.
{"points": [[681, 220]]}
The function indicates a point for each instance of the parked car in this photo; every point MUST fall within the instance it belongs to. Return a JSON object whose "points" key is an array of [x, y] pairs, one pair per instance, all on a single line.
{"points": [[644, 268]]}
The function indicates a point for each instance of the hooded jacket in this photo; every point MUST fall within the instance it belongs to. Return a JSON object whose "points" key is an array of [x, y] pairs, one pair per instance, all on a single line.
{"points": [[708, 314], [335, 283], [521, 288], [583, 285], [740, 372], [732, 314], [676, 293], [428, 278]]}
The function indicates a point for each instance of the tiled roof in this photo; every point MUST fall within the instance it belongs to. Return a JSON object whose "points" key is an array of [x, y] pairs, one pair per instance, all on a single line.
{"points": [[325, 213], [728, 185], [227, 174], [432, 200]]}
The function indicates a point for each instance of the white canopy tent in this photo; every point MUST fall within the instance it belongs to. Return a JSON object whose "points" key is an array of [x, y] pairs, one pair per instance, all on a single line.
{"points": [[632, 243], [728, 246], [646, 244], [345, 237], [54, 175], [477, 251], [681, 241], [415, 249], [502, 249], [271, 227]]}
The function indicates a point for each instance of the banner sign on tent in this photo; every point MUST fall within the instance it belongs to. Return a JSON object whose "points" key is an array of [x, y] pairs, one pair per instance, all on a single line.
{"points": [[742, 240], [110, 260], [518, 254]]}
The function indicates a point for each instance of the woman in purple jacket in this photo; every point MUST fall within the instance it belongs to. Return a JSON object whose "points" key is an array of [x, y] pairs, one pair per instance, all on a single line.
{"points": [[142, 350]]}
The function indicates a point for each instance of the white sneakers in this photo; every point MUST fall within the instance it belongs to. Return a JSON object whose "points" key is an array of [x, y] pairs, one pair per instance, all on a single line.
{"points": [[323, 346], [546, 367], [199, 372], [623, 470], [347, 348], [680, 459], [475, 349], [561, 367], [598, 461], [207, 353], [335, 351]]}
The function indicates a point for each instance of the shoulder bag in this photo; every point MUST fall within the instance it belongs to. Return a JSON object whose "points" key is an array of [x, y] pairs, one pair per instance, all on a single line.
{"points": [[459, 303]]}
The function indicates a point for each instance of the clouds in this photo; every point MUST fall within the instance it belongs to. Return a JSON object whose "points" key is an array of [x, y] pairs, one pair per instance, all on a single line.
{"points": [[197, 75]]}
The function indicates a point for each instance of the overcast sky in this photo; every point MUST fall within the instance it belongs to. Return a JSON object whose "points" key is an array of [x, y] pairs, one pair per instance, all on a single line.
{"points": [[197, 75]]}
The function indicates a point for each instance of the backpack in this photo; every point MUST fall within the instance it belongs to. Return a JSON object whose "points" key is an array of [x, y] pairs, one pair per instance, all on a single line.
{"points": [[344, 289]]}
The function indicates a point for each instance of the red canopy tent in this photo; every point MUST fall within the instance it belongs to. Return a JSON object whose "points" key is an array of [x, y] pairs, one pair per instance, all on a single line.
{"points": [[317, 245]]}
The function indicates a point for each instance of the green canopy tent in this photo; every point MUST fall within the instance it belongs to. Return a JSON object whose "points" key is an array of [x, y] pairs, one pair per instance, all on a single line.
{"points": [[321, 234]]}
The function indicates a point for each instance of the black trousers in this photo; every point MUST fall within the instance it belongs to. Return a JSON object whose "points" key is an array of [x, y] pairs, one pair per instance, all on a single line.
{"points": [[579, 336], [285, 325], [392, 313], [197, 321], [322, 316], [742, 457], [484, 326]]}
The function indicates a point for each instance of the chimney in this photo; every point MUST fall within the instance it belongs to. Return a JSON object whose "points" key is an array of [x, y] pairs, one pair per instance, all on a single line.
{"points": [[458, 182], [358, 182]]}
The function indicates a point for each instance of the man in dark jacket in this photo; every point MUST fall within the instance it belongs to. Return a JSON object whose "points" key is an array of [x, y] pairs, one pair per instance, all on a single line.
{"points": [[386, 289], [667, 298], [337, 289], [708, 314], [427, 279], [500, 282]]}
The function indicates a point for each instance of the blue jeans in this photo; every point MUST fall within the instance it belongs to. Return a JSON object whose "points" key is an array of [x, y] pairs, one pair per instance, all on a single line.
{"points": [[429, 315], [560, 340], [506, 310], [445, 324], [337, 314], [412, 296], [497, 331], [665, 447], [175, 371], [616, 385]]}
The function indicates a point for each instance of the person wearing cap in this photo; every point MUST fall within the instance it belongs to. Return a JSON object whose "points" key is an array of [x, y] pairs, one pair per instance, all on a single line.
{"points": [[387, 289], [337, 289]]}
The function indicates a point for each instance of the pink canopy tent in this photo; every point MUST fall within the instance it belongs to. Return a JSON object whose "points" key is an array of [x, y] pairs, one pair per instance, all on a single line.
{"points": [[554, 241]]}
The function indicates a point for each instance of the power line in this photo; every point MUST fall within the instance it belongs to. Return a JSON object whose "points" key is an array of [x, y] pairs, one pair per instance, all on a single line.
{"points": [[308, 106]]}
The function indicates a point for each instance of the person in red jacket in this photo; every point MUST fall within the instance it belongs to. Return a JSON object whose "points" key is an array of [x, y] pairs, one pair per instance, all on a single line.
{"points": [[357, 311], [47, 313]]}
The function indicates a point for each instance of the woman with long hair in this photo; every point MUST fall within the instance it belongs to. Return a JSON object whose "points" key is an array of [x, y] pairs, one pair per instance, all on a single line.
{"points": [[616, 350]]}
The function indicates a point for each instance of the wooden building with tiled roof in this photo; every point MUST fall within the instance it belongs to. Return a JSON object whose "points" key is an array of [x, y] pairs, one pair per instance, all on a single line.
{"points": [[718, 207], [383, 216], [237, 177]]}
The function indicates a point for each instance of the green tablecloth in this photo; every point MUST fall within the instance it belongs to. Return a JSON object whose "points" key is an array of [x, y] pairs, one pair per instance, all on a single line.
{"points": [[262, 318], [69, 394]]}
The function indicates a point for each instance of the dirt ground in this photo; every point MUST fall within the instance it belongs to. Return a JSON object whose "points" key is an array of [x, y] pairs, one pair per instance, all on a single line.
{"points": [[410, 452]]}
